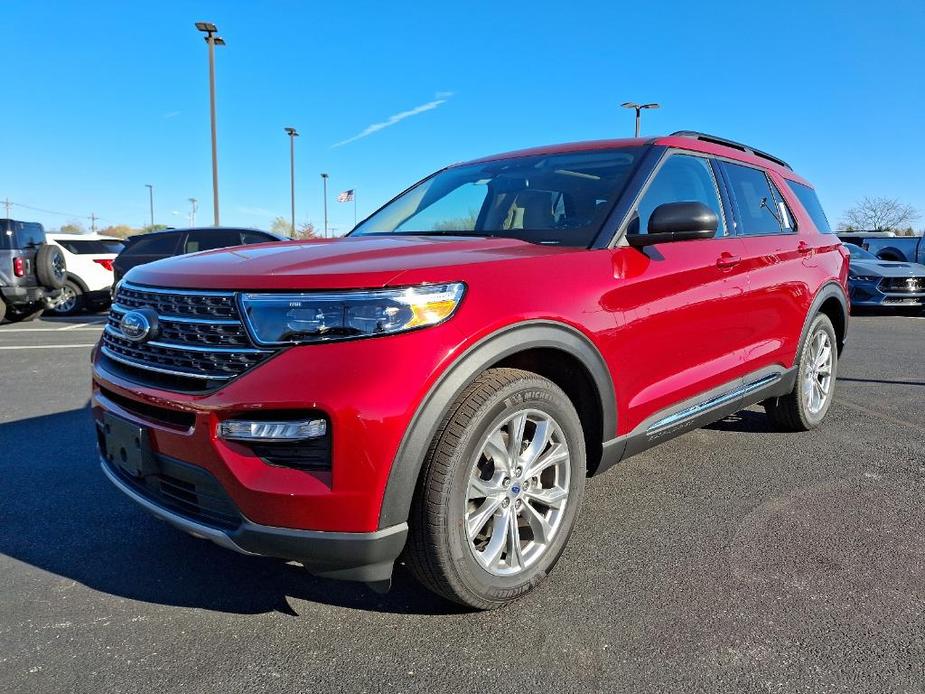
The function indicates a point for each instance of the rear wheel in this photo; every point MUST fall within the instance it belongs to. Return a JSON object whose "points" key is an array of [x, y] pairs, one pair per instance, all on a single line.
{"points": [[499, 491], [2, 310], [806, 405], [71, 302]]}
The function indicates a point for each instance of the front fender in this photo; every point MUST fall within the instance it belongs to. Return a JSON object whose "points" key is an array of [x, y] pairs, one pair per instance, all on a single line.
{"points": [[406, 467]]}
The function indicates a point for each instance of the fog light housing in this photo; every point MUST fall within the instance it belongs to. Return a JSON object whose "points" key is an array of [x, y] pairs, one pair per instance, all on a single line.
{"points": [[272, 431]]}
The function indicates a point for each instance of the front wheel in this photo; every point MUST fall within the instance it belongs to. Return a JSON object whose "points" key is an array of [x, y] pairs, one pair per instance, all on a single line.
{"points": [[24, 314], [499, 491], [806, 405]]}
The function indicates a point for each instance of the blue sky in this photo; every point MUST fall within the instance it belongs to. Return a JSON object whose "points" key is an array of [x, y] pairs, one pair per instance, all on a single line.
{"points": [[102, 98]]}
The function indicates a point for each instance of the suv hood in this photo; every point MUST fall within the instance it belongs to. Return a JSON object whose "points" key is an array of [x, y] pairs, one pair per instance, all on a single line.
{"points": [[353, 262], [887, 268]]}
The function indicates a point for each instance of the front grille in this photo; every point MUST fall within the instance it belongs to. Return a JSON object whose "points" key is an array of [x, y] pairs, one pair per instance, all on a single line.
{"points": [[200, 343], [903, 284]]}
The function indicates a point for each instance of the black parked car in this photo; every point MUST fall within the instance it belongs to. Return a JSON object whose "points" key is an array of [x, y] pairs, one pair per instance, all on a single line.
{"points": [[146, 248]]}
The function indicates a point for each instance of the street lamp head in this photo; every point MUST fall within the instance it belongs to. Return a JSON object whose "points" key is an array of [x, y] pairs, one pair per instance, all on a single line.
{"points": [[324, 175], [291, 132], [207, 27], [217, 40], [650, 106], [629, 104]]}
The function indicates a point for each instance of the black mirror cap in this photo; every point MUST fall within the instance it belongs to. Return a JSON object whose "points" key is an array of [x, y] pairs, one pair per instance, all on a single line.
{"points": [[677, 221]]}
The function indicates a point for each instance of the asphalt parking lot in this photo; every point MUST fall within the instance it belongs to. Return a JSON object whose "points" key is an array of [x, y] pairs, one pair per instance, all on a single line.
{"points": [[731, 559]]}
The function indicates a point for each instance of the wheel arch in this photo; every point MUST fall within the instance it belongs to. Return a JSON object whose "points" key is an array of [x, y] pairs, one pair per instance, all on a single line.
{"points": [[76, 280], [553, 350], [890, 253], [831, 301]]}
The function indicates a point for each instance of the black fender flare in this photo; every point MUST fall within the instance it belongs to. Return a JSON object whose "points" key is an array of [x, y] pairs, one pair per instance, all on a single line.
{"points": [[894, 253], [827, 291], [519, 337]]}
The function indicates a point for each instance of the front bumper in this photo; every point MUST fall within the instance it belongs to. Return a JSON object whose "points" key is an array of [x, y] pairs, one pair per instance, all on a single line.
{"points": [[364, 557], [872, 293]]}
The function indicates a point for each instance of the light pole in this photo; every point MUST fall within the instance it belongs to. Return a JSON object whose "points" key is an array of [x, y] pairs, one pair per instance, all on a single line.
{"points": [[194, 205], [638, 108], [151, 200], [209, 30], [292, 136], [324, 183]]}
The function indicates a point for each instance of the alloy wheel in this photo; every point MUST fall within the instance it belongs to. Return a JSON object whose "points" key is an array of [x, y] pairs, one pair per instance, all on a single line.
{"points": [[817, 377], [517, 491]]}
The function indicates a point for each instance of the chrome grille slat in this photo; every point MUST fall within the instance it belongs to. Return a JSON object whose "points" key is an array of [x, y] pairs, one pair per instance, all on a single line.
{"points": [[201, 338]]}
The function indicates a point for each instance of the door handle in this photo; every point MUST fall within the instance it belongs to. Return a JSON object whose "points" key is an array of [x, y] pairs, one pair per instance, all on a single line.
{"points": [[727, 260], [804, 248]]}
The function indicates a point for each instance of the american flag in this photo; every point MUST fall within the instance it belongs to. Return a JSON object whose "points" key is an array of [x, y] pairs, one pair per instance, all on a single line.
{"points": [[346, 196]]}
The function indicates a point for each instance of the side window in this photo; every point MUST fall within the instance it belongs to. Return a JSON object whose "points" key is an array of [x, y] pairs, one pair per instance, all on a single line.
{"points": [[809, 200], [210, 240], [164, 244], [682, 178], [253, 237], [761, 207]]}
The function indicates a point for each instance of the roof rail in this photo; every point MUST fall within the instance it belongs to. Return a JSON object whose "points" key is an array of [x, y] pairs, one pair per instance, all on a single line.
{"points": [[704, 137]]}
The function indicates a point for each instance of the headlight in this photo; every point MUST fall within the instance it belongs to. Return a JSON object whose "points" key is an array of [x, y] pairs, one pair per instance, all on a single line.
{"points": [[862, 278], [278, 319]]}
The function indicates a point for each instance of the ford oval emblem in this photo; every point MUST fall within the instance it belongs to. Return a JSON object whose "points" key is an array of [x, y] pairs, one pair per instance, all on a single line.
{"points": [[138, 326]]}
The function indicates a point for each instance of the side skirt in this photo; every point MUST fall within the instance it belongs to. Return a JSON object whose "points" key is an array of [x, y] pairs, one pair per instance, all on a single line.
{"points": [[698, 412]]}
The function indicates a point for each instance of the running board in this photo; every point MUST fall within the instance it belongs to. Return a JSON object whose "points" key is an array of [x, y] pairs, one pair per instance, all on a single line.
{"points": [[697, 414], [694, 411]]}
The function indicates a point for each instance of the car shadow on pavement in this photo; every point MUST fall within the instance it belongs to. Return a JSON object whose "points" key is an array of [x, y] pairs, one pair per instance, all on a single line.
{"points": [[745, 421], [60, 514], [880, 381]]}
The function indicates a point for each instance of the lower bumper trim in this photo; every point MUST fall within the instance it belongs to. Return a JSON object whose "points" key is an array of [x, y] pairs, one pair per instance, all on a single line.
{"points": [[366, 557]]}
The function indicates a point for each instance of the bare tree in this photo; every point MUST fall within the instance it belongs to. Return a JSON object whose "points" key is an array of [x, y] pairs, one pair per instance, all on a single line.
{"points": [[879, 214]]}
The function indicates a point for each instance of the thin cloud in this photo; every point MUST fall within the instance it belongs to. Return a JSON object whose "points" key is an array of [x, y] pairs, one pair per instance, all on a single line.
{"points": [[255, 211], [171, 114], [440, 98]]}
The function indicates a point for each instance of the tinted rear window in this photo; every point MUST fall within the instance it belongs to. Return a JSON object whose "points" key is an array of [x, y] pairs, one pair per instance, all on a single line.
{"points": [[809, 200], [90, 246], [27, 234]]}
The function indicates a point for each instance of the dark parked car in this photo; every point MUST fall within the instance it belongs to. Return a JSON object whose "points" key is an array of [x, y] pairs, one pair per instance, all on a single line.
{"points": [[146, 248], [885, 283], [32, 271]]}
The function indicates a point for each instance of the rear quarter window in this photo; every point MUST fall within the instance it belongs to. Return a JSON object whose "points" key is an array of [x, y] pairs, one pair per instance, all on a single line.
{"points": [[90, 246], [810, 201]]}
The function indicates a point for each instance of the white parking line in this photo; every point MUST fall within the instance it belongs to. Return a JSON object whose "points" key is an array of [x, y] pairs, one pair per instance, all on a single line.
{"points": [[5, 331], [74, 326], [91, 344]]}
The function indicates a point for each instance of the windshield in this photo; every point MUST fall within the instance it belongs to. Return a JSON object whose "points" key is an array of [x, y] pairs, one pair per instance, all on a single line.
{"points": [[559, 199], [858, 253]]}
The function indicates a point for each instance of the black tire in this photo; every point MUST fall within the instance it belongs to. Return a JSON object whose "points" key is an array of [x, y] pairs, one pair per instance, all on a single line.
{"points": [[24, 314], [793, 412], [72, 300], [2, 310], [50, 266], [439, 551]]}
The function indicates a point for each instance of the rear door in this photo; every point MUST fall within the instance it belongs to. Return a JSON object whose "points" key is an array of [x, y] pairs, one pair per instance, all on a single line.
{"points": [[27, 238], [776, 258], [683, 300]]}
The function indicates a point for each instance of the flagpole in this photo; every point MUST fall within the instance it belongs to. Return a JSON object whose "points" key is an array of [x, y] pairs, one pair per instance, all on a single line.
{"points": [[354, 208]]}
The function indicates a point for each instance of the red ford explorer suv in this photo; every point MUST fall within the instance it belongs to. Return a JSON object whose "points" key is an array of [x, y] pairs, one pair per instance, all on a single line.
{"points": [[441, 381]]}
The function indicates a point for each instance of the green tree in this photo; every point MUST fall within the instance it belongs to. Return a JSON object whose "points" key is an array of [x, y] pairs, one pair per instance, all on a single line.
{"points": [[281, 226], [119, 231], [73, 228]]}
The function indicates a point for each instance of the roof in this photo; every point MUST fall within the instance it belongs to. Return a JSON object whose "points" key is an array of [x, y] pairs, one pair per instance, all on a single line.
{"points": [[81, 237], [689, 140]]}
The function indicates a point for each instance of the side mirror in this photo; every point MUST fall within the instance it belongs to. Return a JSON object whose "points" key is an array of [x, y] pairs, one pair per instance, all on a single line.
{"points": [[677, 221]]}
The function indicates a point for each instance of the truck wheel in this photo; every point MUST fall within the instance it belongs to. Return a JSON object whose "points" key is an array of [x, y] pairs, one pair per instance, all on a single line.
{"points": [[24, 314], [499, 491], [72, 300], [50, 266], [805, 406], [2, 310]]}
